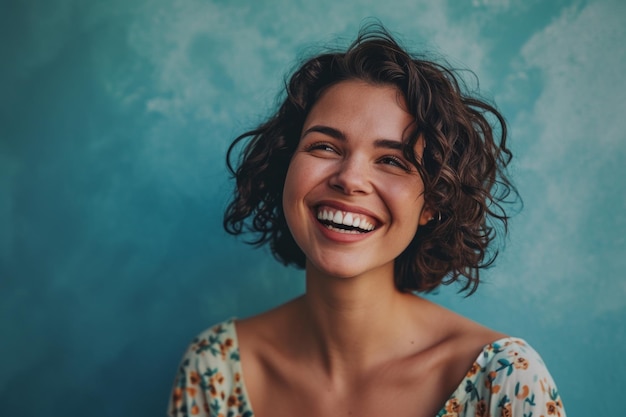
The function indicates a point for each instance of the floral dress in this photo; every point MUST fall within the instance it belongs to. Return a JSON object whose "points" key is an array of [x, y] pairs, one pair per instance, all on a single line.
{"points": [[508, 379]]}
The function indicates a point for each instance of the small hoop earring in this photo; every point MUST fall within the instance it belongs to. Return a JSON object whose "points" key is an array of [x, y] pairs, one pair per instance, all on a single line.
{"points": [[433, 217]]}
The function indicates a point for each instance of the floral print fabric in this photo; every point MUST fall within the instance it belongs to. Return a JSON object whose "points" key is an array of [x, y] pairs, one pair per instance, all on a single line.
{"points": [[508, 379], [209, 381]]}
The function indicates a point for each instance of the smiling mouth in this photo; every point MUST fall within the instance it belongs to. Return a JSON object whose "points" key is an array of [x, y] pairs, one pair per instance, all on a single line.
{"points": [[344, 221]]}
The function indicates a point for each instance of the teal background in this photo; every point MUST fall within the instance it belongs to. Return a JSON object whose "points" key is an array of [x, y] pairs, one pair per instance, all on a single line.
{"points": [[114, 120]]}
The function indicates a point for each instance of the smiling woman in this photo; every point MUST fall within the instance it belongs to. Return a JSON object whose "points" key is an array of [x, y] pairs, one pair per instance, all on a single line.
{"points": [[378, 176]]}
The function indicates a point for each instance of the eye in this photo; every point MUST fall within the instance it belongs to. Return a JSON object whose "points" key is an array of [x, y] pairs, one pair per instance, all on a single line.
{"points": [[319, 147], [395, 162]]}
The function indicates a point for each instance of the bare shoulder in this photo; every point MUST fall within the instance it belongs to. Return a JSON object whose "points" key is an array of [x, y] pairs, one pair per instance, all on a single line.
{"points": [[265, 327], [457, 330], [458, 339]]}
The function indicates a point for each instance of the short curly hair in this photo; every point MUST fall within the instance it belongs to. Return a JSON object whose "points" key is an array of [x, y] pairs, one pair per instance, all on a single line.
{"points": [[463, 167]]}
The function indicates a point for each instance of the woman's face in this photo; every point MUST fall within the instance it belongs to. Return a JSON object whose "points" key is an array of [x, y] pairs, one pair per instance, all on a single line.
{"points": [[351, 200]]}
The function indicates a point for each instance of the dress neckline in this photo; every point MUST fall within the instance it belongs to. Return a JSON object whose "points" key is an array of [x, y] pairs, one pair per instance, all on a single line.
{"points": [[485, 354]]}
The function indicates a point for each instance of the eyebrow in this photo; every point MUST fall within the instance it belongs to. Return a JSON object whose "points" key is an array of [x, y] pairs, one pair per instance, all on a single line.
{"points": [[339, 135]]}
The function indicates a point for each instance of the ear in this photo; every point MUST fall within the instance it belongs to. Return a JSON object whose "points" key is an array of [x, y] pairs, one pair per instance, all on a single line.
{"points": [[427, 215]]}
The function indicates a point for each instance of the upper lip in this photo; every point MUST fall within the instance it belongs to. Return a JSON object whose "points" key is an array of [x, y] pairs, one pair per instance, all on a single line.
{"points": [[349, 208]]}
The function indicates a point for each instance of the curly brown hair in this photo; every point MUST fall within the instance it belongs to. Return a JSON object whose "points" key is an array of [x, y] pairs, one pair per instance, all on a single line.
{"points": [[463, 165]]}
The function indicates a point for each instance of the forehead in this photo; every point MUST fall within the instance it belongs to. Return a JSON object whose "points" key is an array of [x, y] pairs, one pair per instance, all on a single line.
{"points": [[362, 108]]}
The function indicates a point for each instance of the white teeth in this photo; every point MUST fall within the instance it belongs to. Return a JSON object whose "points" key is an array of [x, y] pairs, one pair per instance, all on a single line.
{"points": [[349, 219]]}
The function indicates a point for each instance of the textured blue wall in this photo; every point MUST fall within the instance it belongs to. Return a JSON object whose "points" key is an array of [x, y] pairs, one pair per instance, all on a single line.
{"points": [[114, 119]]}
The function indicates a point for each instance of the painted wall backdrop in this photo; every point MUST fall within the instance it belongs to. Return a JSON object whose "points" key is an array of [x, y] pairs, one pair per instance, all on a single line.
{"points": [[114, 120]]}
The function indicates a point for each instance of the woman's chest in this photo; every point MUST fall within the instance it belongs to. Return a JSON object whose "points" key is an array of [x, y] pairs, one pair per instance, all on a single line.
{"points": [[403, 393]]}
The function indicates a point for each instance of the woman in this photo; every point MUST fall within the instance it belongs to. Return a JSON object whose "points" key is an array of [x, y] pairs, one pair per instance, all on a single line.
{"points": [[380, 178]]}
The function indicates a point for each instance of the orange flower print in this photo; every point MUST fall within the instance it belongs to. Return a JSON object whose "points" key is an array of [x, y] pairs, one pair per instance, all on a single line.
{"points": [[495, 389], [523, 393], [506, 411], [473, 370], [232, 401], [218, 377], [520, 363], [481, 409], [177, 395], [195, 410], [453, 406], [191, 391], [553, 408], [490, 378], [194, 378], [237, 377], [228, 342]]}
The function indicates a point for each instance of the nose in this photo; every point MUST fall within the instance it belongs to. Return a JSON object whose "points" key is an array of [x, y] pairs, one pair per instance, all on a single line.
{"points": [[352, 176]]}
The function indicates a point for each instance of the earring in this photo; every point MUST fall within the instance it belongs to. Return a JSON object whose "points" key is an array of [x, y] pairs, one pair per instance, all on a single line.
{"points": [[433, 217]]}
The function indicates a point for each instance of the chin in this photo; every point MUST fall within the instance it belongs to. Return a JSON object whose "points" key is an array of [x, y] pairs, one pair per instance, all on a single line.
{"points": [[342, 269], [331, 270]]}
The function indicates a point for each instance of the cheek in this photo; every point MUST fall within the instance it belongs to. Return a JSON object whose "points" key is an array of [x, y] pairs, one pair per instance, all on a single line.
{"points": [[292, 191], [406, 190], [302, 175], [406, 201]]}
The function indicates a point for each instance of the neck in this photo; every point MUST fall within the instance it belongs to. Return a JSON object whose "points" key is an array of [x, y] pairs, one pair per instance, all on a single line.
{"points": [[352, 320]]}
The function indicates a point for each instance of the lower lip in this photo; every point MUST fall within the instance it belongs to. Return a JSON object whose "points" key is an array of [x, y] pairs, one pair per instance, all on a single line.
{"points": [[338, 236]]}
